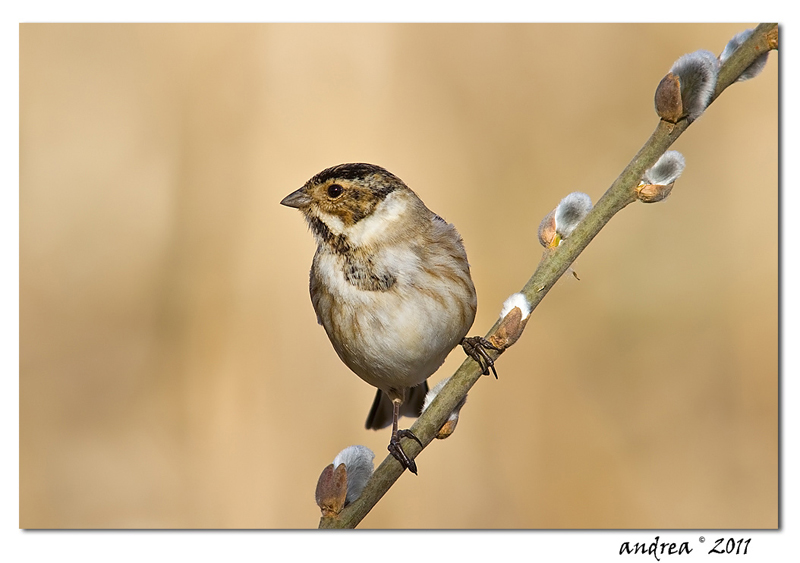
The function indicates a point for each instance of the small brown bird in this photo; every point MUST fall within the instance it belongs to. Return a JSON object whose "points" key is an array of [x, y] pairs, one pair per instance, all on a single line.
{"points": [[390, 284]]}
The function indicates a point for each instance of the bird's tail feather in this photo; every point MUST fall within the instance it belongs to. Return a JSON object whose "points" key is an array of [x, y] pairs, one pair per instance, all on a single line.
{"points": [[380, 415]]}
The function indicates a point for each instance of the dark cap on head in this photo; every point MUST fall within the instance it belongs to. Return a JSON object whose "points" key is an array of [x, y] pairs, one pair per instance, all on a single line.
{"points": [[351, 171]]}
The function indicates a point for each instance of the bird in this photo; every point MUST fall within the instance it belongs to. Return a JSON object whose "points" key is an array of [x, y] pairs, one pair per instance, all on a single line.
{"points": [[391, 286]]}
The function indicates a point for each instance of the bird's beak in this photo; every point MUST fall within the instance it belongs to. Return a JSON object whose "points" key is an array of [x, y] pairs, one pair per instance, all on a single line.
{"points": [[297, 199]]}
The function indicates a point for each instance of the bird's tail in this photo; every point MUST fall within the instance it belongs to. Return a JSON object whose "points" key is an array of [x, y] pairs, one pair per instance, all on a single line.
{"points": [[380, 415]]}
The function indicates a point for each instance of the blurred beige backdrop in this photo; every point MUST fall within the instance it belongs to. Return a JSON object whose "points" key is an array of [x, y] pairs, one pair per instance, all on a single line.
{"points": [[172, 373]]}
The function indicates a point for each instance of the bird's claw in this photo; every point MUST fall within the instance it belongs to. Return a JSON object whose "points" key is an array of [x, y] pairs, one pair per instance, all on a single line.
{"points": [[475, 347], [408, 434], [397, 450]]}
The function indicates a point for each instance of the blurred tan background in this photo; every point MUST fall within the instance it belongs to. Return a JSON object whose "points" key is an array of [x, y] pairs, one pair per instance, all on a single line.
{"points": [[172, 373]]}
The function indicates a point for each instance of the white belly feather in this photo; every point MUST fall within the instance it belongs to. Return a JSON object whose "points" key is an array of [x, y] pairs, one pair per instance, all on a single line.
{"points": [[399, 337]]}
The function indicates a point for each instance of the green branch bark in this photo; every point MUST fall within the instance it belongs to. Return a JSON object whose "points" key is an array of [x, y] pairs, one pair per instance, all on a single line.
{"points": [[550, 269]]}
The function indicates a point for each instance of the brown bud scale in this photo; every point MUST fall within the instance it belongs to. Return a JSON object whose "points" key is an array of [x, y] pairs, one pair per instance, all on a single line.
{"points": [[669, 106], [653, 193], [510, 329], [332, 490]]}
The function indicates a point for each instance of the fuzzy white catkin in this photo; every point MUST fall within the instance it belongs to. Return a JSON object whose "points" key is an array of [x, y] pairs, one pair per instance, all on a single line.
{"points": [[358, 461], [666, 170], [432, 393], [571, 211], [698, 76], [755, 68], [516, 300]]}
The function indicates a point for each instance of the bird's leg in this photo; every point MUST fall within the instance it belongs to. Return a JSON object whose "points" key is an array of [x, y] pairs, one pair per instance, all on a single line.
{"points": [[394, 443], [475, 347]]}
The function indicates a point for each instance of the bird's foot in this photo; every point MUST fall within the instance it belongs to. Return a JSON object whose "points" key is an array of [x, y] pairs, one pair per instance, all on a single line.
{"points": [[475, 347], [397, 450]]}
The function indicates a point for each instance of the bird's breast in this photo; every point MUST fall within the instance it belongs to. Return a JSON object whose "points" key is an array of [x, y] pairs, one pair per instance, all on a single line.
{"points": [[393, 316]]}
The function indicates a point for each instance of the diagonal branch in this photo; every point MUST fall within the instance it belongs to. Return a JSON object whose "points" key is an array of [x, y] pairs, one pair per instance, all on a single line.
{"points": [[550, 269]]}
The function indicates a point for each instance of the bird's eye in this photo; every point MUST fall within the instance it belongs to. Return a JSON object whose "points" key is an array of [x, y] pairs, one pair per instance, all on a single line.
{"points": [[334, 191]]}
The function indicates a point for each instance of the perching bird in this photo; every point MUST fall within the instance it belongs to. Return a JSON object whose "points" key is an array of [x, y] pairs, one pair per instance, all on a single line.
{"points": [[390, 284]]}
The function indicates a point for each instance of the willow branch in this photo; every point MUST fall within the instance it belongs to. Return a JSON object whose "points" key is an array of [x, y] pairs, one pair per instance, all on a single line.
{"points": [[621, 193]]}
